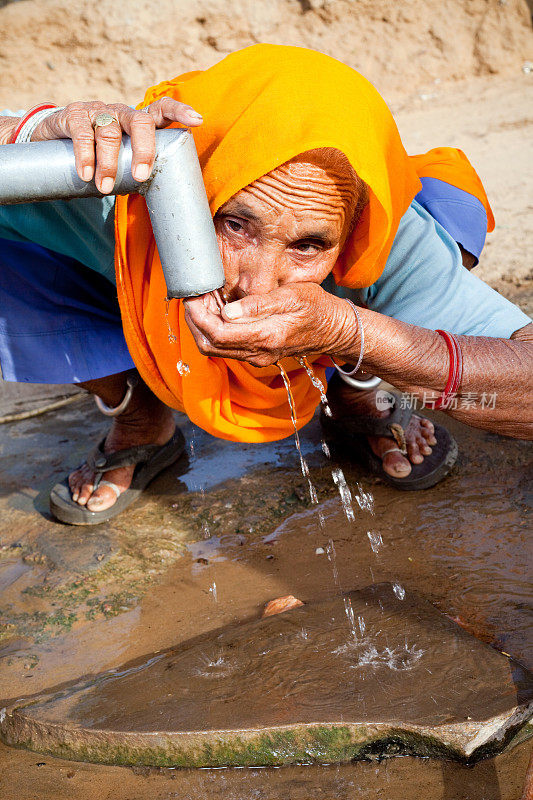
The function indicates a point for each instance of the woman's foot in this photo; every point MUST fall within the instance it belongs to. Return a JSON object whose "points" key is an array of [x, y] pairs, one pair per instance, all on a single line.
{"points": [[419, 435], [146, 420]]}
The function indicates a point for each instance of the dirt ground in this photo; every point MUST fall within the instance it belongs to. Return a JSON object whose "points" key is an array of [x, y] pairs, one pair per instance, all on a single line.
{"points": [[111, 50], [75, 603]]}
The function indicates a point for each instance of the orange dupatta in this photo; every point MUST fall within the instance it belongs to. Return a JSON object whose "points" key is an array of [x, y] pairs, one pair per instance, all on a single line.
{"points": [[261, 107]]}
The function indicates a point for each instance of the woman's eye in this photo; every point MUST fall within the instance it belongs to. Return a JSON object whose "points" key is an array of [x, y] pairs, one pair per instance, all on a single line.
{"points": [[307, 248], [234, 225]]}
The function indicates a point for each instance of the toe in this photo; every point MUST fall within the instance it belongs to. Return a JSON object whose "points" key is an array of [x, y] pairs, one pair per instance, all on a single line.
{"points": [[423, 446], [84, 494], [81, 485], [413, 451], [396, 465], [427, 430], [103, 498]]}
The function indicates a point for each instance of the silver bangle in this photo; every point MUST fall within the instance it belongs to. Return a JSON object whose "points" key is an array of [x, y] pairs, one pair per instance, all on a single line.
{"points": [[361, 386], [351, 372], [27, 130]]}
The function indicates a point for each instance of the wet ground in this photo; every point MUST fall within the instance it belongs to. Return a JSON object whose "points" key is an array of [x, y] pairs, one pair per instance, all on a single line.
{"points": [[221, 533]]}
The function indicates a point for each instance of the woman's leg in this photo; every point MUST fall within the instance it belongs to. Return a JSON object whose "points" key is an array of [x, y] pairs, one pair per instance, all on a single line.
{"points": [[146, 420]]}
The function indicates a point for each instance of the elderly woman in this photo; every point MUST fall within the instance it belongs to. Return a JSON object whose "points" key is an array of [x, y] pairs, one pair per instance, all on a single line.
{"points": [[336, 246]]}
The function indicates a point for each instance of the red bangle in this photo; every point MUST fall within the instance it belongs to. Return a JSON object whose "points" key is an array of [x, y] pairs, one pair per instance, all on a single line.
{"points": [[26, 117], [456, 371]]}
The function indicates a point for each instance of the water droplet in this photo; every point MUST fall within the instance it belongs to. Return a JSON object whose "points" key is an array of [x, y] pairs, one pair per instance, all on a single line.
{"points": [[183, 368], [345, 494], [365, 500], [376, 540], [172, 338], [399, 591], [317, 383]]}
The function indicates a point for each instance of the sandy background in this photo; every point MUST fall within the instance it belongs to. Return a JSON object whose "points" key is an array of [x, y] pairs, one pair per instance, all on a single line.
{"points": [[109, 49], [455, 72]]}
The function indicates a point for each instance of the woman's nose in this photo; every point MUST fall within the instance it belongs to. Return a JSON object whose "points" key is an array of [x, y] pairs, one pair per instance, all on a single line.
{"points": [[259, 276]]}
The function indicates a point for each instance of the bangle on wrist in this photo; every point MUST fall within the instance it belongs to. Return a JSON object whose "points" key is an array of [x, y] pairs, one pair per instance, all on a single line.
{"points": [[29, 122], [351, 372], [455, 372]]}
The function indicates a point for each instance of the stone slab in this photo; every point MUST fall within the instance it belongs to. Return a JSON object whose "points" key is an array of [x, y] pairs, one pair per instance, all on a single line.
{"points": [[372, 672]]}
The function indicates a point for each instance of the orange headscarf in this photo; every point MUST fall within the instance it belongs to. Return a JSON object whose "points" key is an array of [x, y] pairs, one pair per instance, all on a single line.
{"points": [[261, 107]]}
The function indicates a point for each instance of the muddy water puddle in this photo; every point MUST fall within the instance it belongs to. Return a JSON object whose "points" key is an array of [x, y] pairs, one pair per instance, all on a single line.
{"points": [[462, 545]]}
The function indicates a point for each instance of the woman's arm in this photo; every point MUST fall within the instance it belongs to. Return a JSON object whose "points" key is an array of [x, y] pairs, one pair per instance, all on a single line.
{"points": [[7, 126], [496, 391], [302, 318]]}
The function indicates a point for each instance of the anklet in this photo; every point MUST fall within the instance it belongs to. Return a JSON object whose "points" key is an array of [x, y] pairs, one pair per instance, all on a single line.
{"points": [[131, 382]]}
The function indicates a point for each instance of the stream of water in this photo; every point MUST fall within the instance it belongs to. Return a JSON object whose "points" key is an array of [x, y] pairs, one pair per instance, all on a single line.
{"points": [[303, 463]]}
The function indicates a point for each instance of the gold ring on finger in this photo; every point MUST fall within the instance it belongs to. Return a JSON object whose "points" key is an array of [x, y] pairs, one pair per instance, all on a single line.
{"points": [[103, 119]]}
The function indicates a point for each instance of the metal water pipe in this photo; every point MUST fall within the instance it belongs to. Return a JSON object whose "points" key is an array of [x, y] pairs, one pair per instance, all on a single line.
{"points": [[174, 193]]}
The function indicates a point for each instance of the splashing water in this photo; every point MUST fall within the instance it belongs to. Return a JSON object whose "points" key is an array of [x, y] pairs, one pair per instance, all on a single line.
{"points": [[303, 462], [398, 659], [332, 558], [216, 665], [213, 591], [399, 591], [350, 616], [376, 541], [344, 492], [348, 608], [317, 383], [365, 500]]}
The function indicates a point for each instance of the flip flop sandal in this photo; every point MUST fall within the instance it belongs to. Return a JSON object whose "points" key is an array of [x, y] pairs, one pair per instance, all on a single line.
{"points": [[149, 460], [350, 435]]}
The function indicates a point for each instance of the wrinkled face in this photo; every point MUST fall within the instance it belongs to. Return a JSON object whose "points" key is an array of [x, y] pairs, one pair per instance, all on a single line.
{"points": [[289, 226]]}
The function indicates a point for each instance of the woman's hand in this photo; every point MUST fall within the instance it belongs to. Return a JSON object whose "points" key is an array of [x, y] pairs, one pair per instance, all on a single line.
{"points": [[296, 319], [96, 150]]}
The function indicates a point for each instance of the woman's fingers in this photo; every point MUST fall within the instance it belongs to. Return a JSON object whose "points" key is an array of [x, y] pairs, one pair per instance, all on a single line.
{"points": [[215, 336], [97, 147], [78, 126], [108, 139], [166, 110], [255, 307], [141, 127]]}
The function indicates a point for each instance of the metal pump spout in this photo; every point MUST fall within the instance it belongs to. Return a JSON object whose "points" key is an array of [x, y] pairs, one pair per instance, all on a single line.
{"points": [[174, 193]]}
